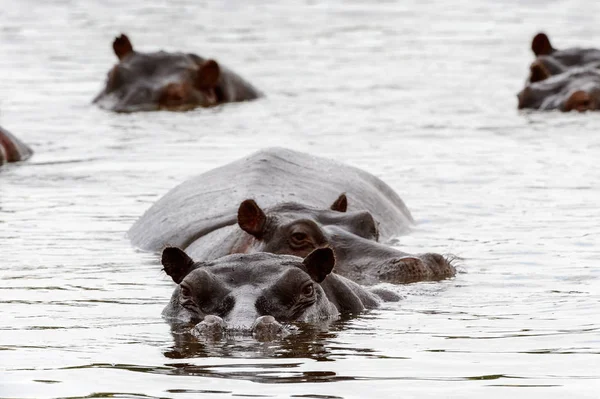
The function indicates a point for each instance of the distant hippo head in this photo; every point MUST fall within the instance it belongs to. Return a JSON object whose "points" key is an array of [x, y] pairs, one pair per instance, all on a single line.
{"points": [[296, 229], [160, 80], [577, 89], [257, 292]]}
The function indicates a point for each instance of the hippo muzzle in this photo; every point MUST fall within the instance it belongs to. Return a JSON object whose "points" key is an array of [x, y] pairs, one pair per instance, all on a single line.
{"points": [[264, 328]]}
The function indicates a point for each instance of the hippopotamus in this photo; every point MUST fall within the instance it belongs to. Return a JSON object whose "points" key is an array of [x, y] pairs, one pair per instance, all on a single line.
{"points": [[287, 202], [170, 81], [258, 292], [577, 89], [11, 148]]}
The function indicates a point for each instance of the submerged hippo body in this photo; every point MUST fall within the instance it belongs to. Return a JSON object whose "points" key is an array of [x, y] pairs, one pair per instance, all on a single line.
{"points": [[257, 292], [174, 81], [12, 149], [280, 201]]}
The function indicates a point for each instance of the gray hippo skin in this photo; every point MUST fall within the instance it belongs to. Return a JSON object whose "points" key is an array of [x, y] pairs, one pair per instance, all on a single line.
{"points": [[172, 81], [258, 292], [577, 89], [217, 213], [12, 149]]}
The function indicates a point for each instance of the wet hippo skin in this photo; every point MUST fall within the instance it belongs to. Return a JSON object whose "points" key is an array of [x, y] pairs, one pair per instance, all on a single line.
{"points": [[287, 202], [171, 81], [11, 148], [259, 293]]}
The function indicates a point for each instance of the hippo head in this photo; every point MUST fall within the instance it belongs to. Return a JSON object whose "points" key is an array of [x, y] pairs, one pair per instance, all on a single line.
{"points": [[577, 89], [160, 80], [252, 292], [296, 229]]}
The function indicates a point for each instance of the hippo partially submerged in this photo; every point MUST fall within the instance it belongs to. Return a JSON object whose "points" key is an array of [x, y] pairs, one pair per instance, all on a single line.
{"points": [[258, 292], [217, 213], [173, 81], [577, 89], [566, 80], [11, 148]]}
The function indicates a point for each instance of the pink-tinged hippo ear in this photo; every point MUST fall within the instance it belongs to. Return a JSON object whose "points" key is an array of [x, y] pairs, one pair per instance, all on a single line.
{"points": [[176, 263], [579, 101], [208, 75], [252, 219], [319, 263], [540, 45], [340, 204], [122, 46], [538, 72]]}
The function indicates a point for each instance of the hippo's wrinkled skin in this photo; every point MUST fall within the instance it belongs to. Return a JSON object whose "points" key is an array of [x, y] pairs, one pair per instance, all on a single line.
{"points": [[12, 149], [217, 213], [259, 292], [172, 81], [577, 89]]}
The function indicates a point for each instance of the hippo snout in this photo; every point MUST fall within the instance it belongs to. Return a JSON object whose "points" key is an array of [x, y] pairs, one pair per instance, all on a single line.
{"points": [[266, 328], [211, 326], [408, 269]]}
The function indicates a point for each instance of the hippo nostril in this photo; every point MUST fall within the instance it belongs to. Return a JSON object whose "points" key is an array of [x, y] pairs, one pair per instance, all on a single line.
{"points": [[266, 328], [211, 326]]}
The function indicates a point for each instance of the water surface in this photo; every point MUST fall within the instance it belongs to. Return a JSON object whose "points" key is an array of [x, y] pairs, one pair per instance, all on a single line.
{"points": [[421, 93]]}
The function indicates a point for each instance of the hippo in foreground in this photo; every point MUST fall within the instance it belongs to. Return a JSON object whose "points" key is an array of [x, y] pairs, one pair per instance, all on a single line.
{"points": [[577, 89], [170, 81], [12, 149], [217, 213], [258, 292]]}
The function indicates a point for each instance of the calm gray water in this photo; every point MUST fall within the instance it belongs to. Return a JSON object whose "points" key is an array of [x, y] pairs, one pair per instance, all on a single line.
{"points": [[420, 93]]}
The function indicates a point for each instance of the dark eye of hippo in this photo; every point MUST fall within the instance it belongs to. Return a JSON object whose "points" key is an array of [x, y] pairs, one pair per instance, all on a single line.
{"points": [[304, 236], [288, 298], [202, 294]]}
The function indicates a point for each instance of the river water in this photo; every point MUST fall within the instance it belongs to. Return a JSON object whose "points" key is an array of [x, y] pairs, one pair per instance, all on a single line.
{"points": [[420, 93]]}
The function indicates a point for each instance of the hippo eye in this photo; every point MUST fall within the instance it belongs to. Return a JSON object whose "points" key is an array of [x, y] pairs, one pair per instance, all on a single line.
{"points": [[185, 291], [299, 237], [308, 290]]}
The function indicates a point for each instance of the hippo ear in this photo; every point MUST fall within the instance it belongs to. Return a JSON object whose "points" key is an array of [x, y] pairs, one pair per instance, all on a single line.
{"points": [[538, 72], [252, 219], [208, 75], [122, 46], [540, 45], [340, 204], [319, 263], [177, 263]]}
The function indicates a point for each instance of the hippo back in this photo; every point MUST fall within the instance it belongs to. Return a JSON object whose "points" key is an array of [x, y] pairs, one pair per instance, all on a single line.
{"points": [[271, 176], [11, 148]]}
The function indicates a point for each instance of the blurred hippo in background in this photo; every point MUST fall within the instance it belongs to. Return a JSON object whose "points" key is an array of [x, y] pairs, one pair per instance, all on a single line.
{"points": [[259, 293], [217, 213], [577, 89], [171, 81], [12, 149], [550, 62]]}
